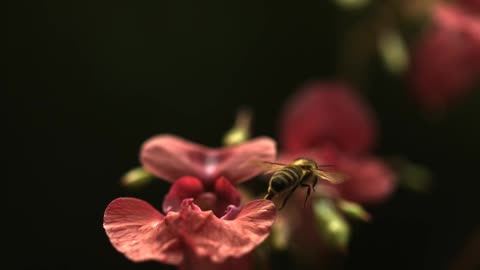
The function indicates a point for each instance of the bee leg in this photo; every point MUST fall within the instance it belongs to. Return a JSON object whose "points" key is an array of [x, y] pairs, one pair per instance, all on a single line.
{"points": [[314, 183], [287, 197], [309, 190], [269, 196]]}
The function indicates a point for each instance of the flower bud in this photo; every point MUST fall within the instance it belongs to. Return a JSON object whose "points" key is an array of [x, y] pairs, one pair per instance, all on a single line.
{"points": [[136, 178], [353, 209], [394, 52], [412, 176], [331, 225], [241, 129], [280, 234]]}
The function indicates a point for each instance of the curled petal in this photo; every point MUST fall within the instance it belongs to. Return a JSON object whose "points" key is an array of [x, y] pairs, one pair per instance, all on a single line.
{"points": [[137, 230], [219, 239], [184, 188], [226, 195], [325, 113], [170, 157], [141, 233], [231, 213]]}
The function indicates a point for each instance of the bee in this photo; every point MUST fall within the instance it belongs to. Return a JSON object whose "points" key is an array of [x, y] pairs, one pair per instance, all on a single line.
{"points": [[302, 172]]}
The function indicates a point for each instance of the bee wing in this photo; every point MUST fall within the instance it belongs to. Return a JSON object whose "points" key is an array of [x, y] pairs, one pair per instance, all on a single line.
{"points": [[335, 177], [270, 167]]}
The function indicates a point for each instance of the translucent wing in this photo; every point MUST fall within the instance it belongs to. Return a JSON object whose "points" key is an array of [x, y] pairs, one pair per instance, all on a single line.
{"points": [[335, 177], [270, 167]]}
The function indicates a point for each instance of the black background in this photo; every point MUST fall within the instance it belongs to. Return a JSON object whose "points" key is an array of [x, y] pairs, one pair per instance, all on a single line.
{"points": [[89, 81]]}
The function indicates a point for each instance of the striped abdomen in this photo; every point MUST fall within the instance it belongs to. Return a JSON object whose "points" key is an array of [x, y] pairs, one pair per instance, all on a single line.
{"points": [[285, 178]]}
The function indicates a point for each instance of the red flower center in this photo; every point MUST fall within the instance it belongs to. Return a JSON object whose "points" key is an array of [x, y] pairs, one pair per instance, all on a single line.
{"points": [[216, 197]]}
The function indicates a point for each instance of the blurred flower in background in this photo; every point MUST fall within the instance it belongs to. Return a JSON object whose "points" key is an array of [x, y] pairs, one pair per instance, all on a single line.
{"points": [[331, 124], [326, 114], [472, 6], [446, 58], [432, 45]]}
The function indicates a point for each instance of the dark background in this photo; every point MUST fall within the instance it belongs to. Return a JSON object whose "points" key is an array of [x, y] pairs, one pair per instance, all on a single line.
{"points": [[89, 81]]}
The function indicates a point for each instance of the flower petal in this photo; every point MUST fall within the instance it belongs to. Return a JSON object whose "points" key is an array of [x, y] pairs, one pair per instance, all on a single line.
{"points": [[472, 6], [137, 230], [231, 212], [323, 113], [170, 157], [184, 188], [371, 180], [237, 163], [222, 239]]}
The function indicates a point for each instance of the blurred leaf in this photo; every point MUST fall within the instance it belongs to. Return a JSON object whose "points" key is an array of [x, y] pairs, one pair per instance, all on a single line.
{"points": [[331, 225], [280, 233], [353, 209], [412, 176], [136, 178], [394, 52], [352, 4], [241, 129]]}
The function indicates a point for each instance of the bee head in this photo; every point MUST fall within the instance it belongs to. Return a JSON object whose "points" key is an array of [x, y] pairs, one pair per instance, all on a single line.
{"points": [[305, 162]]}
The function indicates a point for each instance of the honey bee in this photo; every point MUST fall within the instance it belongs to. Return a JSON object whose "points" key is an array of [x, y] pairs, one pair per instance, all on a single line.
{"points": [[302, 172]]}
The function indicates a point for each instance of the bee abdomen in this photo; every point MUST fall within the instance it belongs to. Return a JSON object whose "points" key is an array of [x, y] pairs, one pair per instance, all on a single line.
{"points": [[292, 172], [279, 183], [285, 178]]}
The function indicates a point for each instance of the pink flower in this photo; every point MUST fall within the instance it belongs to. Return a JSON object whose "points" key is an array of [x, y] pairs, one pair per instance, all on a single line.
{"points": [[141, 233], [326, 113], [205, 226], [329, 123], [446, 61]]}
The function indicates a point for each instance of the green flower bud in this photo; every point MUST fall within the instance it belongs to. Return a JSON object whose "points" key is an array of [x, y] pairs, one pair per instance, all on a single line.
{"points": [[411, 175], [353, 210], [241, 129], [331, 225], [393, 51], [136, 178], [280, 234]]}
